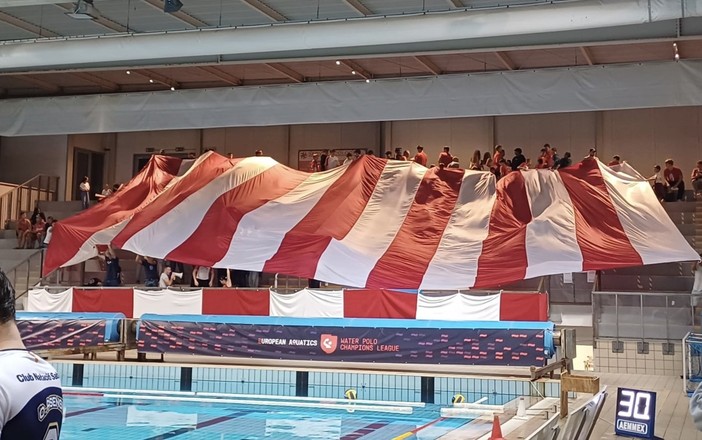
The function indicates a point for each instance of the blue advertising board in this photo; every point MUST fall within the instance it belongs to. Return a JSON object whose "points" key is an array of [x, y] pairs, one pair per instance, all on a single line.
{"points": [[635, 413]]}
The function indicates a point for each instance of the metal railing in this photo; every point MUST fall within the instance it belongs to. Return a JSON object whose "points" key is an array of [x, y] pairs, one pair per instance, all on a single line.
{"points": [[24, 197], [644, 315], [25, 275]]}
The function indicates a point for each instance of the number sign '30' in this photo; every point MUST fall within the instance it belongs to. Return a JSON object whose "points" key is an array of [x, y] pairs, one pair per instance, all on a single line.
{"points": [[635, 413]]}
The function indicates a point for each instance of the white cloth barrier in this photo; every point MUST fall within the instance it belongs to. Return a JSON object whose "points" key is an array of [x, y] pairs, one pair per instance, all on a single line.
{"points": [[167, 302], [308, 303], [459, 307], [41, 300]]}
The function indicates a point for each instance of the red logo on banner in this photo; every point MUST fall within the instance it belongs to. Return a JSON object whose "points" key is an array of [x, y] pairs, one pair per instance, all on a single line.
{"points": [[328, 343]]}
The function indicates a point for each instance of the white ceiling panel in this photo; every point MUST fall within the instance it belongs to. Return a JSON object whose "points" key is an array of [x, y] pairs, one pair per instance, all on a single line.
{"points": [[141, 17], [305, 10], [224, 13], [8, 32]]}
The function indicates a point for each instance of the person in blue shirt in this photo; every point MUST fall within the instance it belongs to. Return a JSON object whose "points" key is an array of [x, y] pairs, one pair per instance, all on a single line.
{"points": [[113, 271], [150, 270], [31, 400]]}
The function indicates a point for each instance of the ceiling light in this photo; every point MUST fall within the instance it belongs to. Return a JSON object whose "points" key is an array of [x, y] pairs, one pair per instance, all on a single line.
{"points": [[172, 89], [151, 81], [338, 63], [677, 57], [84, 10], [171, 6], [129, 72], [367, 80], [353, 72]]}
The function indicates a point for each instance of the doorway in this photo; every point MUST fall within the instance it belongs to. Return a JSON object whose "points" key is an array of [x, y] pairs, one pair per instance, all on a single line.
{"points": [[91, 164]]}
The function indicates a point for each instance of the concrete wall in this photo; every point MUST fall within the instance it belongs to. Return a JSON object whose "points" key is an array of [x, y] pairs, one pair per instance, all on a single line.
{"points": [[22, 158]]}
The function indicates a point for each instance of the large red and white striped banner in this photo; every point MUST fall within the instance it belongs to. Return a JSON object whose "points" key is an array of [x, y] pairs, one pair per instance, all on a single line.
{"points": [[393, 224], [307, 303]]}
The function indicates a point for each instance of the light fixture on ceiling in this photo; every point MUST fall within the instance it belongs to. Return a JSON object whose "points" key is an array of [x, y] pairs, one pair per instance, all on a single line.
{"points": [[677, 53], [84, 10], [129, 72], [338, 63], [171, 6], [172, 89], [151, 81], [353, 72]]}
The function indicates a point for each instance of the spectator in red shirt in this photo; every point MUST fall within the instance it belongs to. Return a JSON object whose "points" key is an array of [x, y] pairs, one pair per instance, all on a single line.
{"points": [[674, 177], [421, 157], [445, 157], [696, 178], [615, 161]]}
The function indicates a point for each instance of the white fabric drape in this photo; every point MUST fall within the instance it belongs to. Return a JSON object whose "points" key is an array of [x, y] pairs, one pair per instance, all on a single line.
{"points": [[167, 302], [41, 300], [308, 303], [588, 88], [459, 307]]}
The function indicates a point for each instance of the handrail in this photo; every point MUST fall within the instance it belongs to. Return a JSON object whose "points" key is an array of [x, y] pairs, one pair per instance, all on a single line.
{"points": [[24, 196], [14, 274]]}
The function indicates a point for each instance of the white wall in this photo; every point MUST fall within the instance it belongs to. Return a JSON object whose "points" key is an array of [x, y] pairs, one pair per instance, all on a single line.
{"points": [[244, 141], [650, 136], [364, 135], [131, 143], [573, 132], [463, 135], [22, 158]]}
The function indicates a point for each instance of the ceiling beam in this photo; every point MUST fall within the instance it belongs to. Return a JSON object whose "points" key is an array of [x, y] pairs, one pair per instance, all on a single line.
{"points": [[265, 10], [506, 60], [457, 4], [157, 77], [26, 26], [359, 7], [360, 71], [102, 82], [588, 55], [223, 76], [102, 21], [428, 64], [287, 71], [180, 15], [44, 85]]}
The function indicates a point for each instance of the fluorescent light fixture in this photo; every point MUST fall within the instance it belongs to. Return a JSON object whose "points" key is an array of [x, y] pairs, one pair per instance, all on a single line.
{"points": [[84, 10], [171, 6]]}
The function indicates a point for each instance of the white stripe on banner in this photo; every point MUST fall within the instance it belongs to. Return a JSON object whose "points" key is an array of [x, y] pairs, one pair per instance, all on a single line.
{"points": [[640, 213], [41, 300], [181, 222], [550, 236], [457, 255], [260, 232], [459, 307], [381, 219], [308, 303], [167, 302]]}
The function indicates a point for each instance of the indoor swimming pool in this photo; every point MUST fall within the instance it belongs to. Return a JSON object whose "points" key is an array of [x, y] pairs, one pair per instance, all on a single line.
{"points": [[109, 418]]}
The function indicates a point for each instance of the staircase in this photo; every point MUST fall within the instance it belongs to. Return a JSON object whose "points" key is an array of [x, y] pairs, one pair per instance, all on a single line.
{"points": [[22, 266]]}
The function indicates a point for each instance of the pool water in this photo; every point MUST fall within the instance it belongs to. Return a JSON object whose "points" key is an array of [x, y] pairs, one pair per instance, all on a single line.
{"points": [[107, 418]]}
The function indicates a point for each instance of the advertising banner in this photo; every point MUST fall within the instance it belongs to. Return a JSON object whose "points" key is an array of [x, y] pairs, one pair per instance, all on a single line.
{"points": [[505, 347], [56, 334]]}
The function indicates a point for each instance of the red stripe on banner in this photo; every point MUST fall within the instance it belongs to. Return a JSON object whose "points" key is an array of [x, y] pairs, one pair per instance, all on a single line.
{"points": [[524, 306], [226, 212], [333, 216], [406, 260], [199, 176], [601, 237], [504, 258], [104, 300], [69, 235], [367, 303], [236, 302]]}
